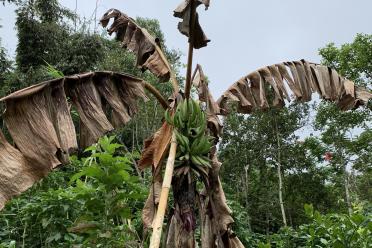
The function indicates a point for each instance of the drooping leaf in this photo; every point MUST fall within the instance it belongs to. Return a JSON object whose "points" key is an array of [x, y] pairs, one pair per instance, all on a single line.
{"points": [[139, 41], [39, 121], [212, 108], [17, 174], [155, 147], [183, 11], [217, 229], [149, 210], [270, 86]]}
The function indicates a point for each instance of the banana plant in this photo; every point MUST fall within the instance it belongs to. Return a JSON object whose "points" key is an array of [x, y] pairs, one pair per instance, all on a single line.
{"points": [[39, 122]]}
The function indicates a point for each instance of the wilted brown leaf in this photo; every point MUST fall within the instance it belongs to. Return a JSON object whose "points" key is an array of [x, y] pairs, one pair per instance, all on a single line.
{"points": [[16, 173], [39, 121], [139, 41], [183, 11], [212, 108], [149, 210], [302, 78], [155, 147]]}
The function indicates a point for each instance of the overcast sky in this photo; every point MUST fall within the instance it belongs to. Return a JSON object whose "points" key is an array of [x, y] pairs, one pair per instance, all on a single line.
{"points": [[245, 34]]}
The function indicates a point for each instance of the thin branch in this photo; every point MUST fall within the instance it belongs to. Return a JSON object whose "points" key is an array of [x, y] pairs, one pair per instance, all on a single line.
{"points": [[157, 94]]}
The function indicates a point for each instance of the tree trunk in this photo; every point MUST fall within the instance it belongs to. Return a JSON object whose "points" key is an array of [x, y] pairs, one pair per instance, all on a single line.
{"points": [[246, 169], [279, 171], [346, 180], [281, 194], [347, 193]]}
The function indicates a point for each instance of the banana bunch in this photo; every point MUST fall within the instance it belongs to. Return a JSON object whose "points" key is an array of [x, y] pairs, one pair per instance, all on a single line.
{"points": [[190, 123]]}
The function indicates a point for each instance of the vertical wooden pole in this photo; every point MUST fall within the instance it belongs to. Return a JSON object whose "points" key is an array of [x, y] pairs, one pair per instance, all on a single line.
{"points": [[158, 222], [191, 49]]}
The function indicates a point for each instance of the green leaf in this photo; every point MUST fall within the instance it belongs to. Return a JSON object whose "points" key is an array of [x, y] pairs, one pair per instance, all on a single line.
{"points": [[263, 245], [125, 213], [91, 148], [45, 222], [55, 237], [357, 219], [309, 210], [323, 241]]}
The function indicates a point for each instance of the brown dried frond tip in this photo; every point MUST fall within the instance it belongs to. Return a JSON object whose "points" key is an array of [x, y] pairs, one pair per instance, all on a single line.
{"points": [[138, 41], [183, 11]]}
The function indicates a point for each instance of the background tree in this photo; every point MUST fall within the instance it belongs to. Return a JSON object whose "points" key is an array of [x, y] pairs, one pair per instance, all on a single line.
{"points": [[309, 176], [346, 135], [262, 159]]}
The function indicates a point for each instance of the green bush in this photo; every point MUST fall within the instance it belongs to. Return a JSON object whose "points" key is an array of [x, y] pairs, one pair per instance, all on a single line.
{"points": [[98, 206], [323, 231], [338, 230]]}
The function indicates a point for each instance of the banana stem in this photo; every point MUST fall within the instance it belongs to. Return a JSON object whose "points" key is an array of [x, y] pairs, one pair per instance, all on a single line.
{"points": [[159, 219], [173, 78], [191, 49], [157, 94]]}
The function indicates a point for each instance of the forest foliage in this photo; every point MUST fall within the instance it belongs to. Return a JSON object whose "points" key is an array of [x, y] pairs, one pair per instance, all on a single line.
{"points": [[297, 177]]}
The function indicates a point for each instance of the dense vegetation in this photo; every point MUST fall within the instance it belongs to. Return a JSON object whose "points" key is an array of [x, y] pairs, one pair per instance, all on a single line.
{"points": [[297, 177]]}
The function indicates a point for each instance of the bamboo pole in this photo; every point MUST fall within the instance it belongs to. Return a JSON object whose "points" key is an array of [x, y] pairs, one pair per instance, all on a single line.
{"points": [[158, 222]]}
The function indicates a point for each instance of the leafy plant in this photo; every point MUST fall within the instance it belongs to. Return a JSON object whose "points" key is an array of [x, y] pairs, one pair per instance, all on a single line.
{"points": [[338, 230], [99, 204]]}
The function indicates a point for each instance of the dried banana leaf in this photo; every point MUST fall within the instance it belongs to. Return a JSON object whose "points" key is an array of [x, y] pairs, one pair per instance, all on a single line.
{"points": [[149, 210], [17, 174], [222, 213], [139, 41], [212, 108], [155, 147], [269, 86], [39, 121], [178, 237], [85, 97], [216, 220], [28, 117], [183, 11]]}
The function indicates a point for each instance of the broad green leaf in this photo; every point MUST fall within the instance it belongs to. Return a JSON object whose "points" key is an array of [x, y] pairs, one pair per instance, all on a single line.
{"points": [[309, 210]]}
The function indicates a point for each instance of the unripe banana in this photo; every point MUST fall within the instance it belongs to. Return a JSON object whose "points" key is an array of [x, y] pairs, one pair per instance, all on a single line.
{"points": [[204, 161], [195, 161], [205, 145], [168, 117]]}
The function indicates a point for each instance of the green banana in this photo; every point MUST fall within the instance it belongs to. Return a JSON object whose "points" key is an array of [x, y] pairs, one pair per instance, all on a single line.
{"points": [[205, 146], [195, 161], [180, 121], [195, 146], [205, 161], [183, 141], [192, 112], [200, 169], [190, 124], [197, 111], [200, 146], [168, 117], [199, 160], [184, 111]]}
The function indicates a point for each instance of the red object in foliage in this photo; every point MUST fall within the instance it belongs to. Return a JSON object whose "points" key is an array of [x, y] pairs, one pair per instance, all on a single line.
{"points": [[328, 156]]}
